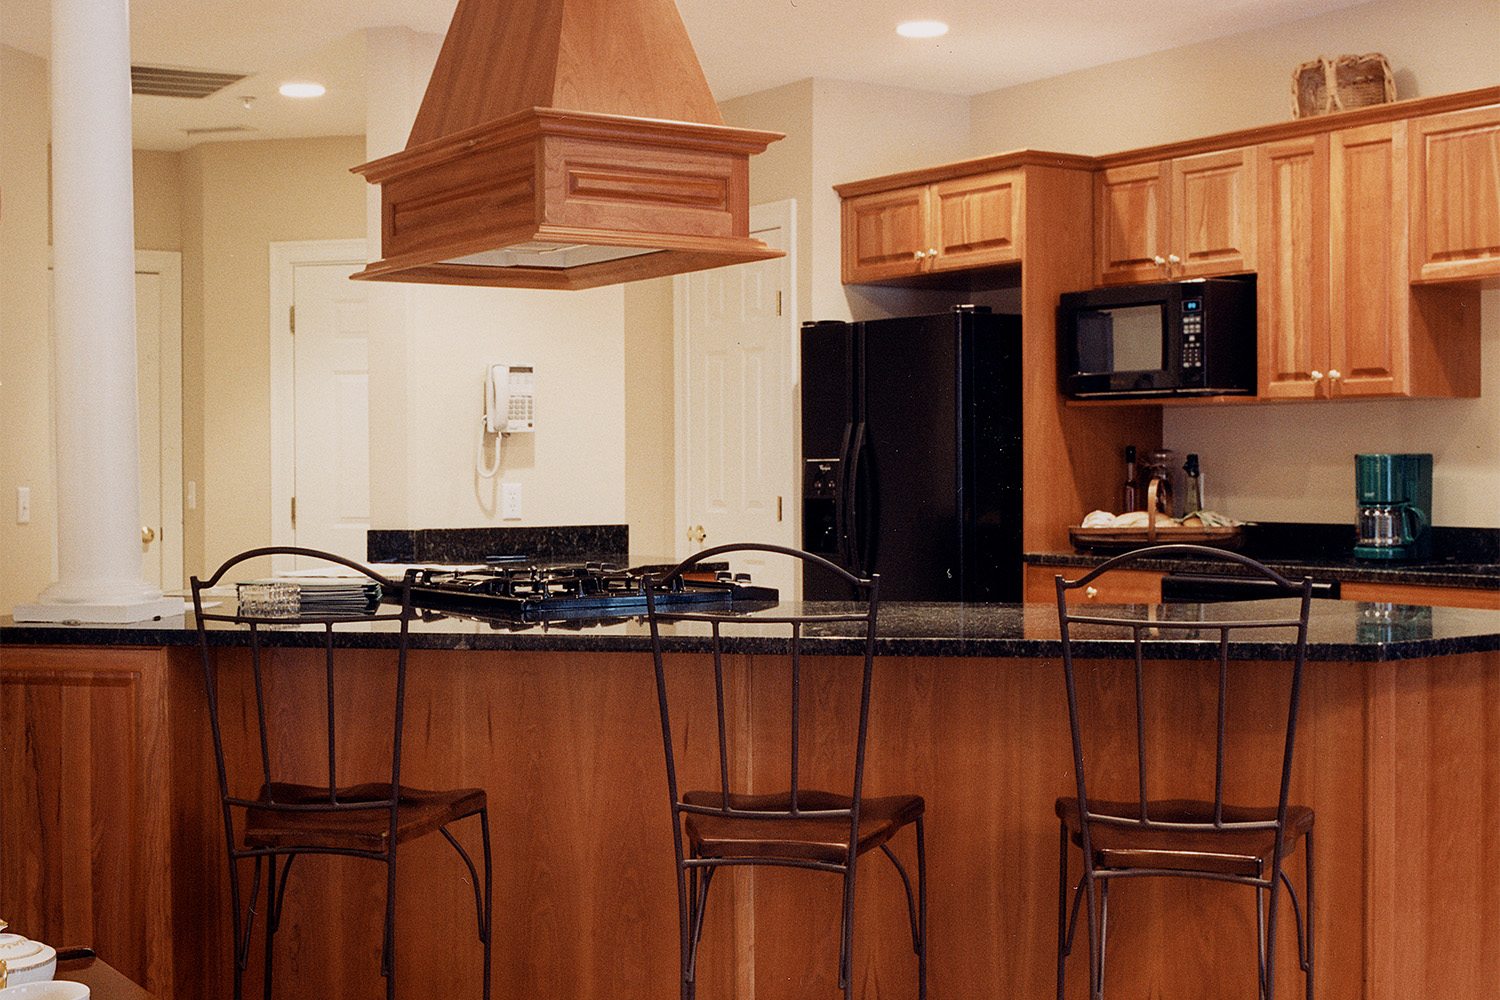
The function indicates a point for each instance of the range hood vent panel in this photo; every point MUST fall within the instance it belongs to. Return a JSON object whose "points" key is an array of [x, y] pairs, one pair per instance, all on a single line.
{"points": [[582, 126]]}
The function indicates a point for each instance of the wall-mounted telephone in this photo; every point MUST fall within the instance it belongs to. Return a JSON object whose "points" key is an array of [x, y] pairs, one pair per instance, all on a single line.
{"points": [[510, 399], [509, 408]]}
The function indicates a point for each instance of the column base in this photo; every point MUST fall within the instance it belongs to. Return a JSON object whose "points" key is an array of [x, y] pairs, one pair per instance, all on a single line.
{"points": [[105, 614]]}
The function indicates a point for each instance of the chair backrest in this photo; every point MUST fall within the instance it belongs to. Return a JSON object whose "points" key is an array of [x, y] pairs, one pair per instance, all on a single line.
{"points": [[777, 632], [360, 707], [1187, 739]]}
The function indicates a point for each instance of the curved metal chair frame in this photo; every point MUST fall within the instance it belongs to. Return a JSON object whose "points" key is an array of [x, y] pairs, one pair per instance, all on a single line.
{"points": [[1207, 839], [704, 821], [285, 820]]}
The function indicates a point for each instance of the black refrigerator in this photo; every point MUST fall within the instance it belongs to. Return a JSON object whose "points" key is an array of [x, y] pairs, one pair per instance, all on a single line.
{"points": [[911, 446]]}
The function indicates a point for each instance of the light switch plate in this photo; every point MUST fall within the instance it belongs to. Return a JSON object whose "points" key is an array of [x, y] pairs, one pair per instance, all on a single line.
{"points": [[510, 501]]}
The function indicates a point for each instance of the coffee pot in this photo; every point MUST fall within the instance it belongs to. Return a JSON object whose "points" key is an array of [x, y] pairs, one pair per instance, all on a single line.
{"points": [[1394, 495]]}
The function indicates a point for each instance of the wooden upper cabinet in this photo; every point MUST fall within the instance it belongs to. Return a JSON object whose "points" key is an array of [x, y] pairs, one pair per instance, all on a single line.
{"points": [[1130, 223], [1338, 316], [1187, 217], [957, 224], [1455, 195], [1368, 306], [884, 235], [1292, 281], [977, 221]]}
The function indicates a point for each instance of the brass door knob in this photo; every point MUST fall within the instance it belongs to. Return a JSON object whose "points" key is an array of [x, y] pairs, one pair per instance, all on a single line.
{"points": [[148, 535]]}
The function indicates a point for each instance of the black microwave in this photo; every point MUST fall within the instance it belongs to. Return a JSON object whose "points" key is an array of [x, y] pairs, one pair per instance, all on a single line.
{"points": [[1172, 338]]}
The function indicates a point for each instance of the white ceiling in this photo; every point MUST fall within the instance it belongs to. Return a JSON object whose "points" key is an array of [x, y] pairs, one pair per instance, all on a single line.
{"points": [[744, 46]]}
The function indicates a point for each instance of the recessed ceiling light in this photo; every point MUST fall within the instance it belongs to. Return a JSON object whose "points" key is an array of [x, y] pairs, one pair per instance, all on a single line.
{"points": [[301, 90], [922, 29]]}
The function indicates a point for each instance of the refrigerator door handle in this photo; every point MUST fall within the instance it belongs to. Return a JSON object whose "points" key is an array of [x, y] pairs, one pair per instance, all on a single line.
{"points": [[850, 550]]}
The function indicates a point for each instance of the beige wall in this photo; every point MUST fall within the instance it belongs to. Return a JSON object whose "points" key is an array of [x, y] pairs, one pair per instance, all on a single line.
{"points": [[435, 341], [28, 552], [239, 198]]}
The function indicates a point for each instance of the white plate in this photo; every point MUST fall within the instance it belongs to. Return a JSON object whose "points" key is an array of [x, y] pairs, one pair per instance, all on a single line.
{"points": [[54, 989]]}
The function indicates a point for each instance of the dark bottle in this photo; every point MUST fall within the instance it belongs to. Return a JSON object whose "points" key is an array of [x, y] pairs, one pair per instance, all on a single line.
{"points": [[1130, 495], [1192, 499]]}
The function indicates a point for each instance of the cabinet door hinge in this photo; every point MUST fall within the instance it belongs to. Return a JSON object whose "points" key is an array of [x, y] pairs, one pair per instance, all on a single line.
{"points": [[294, 512]]}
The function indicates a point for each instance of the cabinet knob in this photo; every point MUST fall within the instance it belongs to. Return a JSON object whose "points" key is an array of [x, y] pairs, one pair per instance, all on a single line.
{"points": [[1335, 374], [148, 535], [1091, 592], [1159, 260], [1172, 258], [1316, 376], [920, 254]]}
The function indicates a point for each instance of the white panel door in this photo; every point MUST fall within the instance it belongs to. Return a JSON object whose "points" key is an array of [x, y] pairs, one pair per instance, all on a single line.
{"points": [[158, 345], [735, 372], [330, 409]]}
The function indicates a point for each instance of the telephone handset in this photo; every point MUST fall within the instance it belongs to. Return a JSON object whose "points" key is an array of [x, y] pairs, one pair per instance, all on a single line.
{"points": [[509, 408], [510, 399]]}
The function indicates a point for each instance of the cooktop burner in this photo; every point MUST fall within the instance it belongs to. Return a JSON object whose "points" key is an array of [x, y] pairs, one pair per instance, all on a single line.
{"points": [[514, 588]]}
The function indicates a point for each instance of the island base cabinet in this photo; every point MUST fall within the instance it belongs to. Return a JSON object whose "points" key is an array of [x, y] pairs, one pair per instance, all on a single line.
{"points": [[1400, 760], [85, 786]]}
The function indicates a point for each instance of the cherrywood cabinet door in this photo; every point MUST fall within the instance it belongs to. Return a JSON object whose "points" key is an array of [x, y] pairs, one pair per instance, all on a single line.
{"points": [[1442, 597], [884, 235], [1292, 283], [1370, 301], [86, 786], [1123, 586], [976, 221], [1213, 213], [1455, 192], [1131, 232]]}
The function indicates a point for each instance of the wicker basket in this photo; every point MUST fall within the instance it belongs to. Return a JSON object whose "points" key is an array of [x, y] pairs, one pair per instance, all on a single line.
{"points": [[1323, 85]]}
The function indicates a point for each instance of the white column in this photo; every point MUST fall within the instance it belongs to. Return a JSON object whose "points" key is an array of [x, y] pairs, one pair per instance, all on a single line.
{"points": [[100, 576]]}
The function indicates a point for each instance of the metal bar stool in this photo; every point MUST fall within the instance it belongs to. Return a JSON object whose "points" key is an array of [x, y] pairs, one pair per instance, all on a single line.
{"points": [[800, 825], [1134, 830], [273, 805]]}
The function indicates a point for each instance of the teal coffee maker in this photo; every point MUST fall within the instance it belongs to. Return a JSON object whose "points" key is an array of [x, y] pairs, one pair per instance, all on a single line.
{"points": [[1395, 506]]}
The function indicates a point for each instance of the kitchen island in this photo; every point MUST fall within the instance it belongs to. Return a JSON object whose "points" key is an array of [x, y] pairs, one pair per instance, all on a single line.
{"points": [[111, 829]]}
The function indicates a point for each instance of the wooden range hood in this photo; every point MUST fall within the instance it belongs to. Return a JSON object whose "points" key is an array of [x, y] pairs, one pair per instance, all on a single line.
{"points": [[565, 144]]}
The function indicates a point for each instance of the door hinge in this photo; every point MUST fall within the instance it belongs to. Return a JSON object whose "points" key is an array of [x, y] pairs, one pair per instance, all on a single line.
{"points": [[291, 319], [778, 510], [778, 313], [294, 512]]}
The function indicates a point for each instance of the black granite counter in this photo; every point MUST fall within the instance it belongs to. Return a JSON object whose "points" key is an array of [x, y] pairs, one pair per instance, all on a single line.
{"points": [[1461, 557], [1430, 573], [1339, 631]]}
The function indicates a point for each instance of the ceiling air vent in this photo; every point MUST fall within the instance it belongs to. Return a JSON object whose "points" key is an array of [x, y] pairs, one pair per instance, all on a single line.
{"points": [[159, 81]]}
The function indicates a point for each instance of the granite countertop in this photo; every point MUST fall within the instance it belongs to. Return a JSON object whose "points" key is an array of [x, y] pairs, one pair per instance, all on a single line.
{"points": [[1461, 557], [1338, 631], [1429, 573]]}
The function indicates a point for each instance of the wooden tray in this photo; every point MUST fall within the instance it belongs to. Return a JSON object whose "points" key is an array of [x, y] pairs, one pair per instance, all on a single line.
{"points": [[1124, 539]]}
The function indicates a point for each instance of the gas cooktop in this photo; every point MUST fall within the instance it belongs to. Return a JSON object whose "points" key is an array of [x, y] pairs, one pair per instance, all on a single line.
{"points": [[516, 589]]}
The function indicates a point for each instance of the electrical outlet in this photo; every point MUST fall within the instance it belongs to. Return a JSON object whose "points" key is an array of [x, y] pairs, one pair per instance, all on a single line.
{"points": [[23, 504], [510, 501]]}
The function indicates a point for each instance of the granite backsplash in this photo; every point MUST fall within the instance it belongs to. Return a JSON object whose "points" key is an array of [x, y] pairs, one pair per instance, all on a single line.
{"points": [[567, 543]]}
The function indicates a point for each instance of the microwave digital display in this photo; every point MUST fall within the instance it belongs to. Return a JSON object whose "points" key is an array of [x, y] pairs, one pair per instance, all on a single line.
{"points": [[1176, 338]]}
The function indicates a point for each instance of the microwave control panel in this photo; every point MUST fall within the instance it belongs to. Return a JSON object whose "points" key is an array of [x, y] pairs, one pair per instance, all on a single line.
{"points": [[1192, 333]]}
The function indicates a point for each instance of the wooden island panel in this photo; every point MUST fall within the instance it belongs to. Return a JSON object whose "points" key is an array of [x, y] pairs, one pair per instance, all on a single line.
{"points": [[1401, 761]]}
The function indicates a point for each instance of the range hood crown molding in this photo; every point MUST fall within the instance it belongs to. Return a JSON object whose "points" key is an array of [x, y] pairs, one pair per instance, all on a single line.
{"points": [[500, 184]]}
